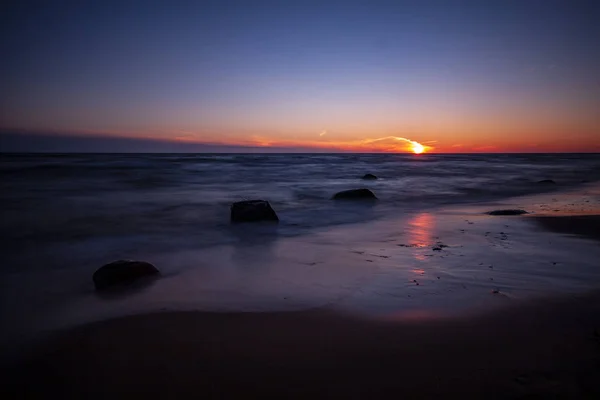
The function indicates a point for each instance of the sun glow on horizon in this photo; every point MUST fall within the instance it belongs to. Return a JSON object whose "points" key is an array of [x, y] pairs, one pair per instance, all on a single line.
{"points": [[417, 148], [390, 144], [387, 144]]}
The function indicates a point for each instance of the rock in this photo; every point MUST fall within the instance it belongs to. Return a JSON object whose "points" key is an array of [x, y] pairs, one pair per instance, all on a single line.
{"points": [[252, 211], [547, 182], [355, 194], [369, 177], [122, 272], [507, 212]]}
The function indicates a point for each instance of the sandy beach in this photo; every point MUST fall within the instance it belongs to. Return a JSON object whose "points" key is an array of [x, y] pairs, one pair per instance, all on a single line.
{"points": [[453, 303], [543, 348]]}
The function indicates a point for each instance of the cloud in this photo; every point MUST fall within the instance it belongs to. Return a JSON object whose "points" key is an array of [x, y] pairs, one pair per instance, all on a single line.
{"points": [[392, 143], [191, 141], [262, 141]]}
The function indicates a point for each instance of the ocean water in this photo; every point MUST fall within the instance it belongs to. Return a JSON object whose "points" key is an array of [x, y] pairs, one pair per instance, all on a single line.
{"points": [[64, 216], [106, 202]]}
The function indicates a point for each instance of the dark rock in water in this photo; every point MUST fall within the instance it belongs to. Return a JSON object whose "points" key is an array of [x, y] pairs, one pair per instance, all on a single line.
{"points": [[252, 210], [122, 272], [355, 194], [547, 182], [507, 212], [369, 177]]}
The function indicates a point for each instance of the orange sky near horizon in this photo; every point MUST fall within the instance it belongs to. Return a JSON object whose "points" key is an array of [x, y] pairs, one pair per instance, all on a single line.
{"points": [[440, 127], [328, 140], [392, 145], [457, 129]]}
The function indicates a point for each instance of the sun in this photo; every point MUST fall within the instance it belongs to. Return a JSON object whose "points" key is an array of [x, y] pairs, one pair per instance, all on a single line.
{"points": [[417, 148]]}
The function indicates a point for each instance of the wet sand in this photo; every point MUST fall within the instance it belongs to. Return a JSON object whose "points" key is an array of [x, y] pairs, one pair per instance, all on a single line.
{"points": [[542, 348], [545, 347], [583, 225]]}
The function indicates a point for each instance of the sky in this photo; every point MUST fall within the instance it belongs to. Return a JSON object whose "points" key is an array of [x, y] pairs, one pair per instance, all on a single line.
{"points": [[453, 76]]}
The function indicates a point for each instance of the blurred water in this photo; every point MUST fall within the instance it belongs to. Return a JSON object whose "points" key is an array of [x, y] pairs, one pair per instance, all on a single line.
{"points": [[63, 216], [104, 202]]}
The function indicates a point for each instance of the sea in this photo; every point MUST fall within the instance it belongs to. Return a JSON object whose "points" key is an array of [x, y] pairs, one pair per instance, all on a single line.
{"points": [[110, 202], [65, 215]]}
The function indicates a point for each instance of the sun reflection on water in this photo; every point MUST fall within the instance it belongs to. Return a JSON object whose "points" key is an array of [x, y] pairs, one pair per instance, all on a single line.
{"points": [[420, 230]]}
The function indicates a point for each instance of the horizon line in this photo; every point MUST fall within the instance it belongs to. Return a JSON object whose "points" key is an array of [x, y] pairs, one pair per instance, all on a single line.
{"points": [[62, 142]]}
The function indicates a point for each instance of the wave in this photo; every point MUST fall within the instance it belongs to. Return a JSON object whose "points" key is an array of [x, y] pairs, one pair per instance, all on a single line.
{"points": [[107, 196]]}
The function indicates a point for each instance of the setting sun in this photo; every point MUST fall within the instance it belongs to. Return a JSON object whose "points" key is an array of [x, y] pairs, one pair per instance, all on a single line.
{"points": [[417, 148]]}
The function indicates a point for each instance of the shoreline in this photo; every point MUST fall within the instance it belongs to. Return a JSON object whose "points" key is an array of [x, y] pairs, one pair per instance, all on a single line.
{"points": [[333, 314], [382, 268]]}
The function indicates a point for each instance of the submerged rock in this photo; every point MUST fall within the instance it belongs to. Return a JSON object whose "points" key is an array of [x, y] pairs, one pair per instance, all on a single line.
{"points": [[547, 182], [122, 272], [507, 212], [355, 194], [369, 177], [252, 211]]}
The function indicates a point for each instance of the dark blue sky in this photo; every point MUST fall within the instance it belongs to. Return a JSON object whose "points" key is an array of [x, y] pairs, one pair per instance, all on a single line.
{"points": [[451, 73]]}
